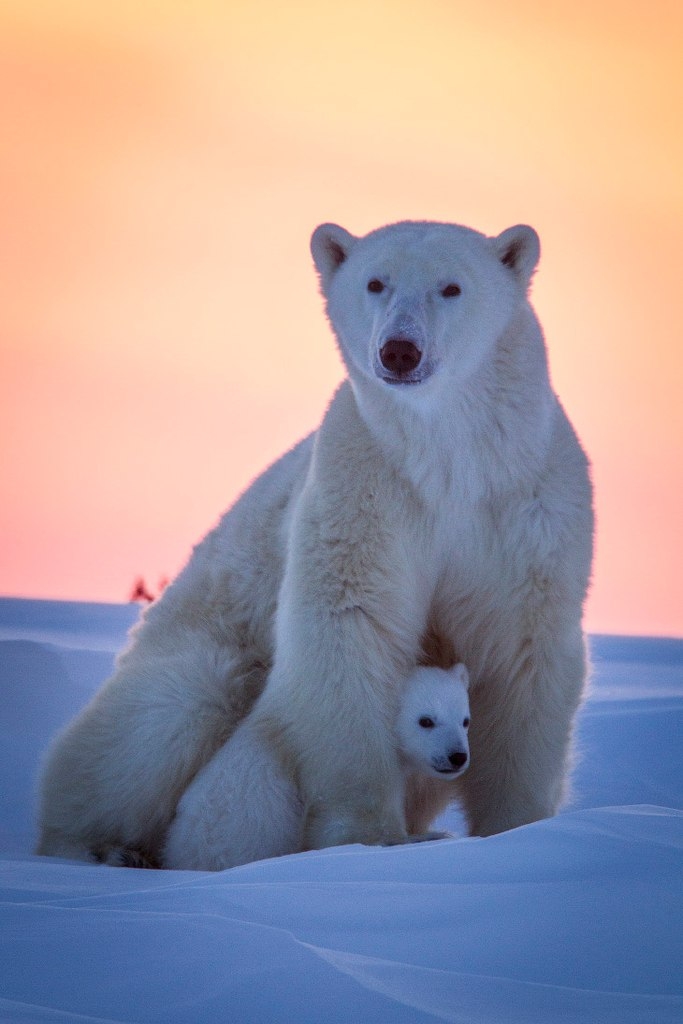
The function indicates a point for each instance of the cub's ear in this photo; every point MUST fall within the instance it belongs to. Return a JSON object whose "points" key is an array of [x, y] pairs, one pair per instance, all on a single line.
{"points": [[461, 675], [330, 245], [519, 249]]}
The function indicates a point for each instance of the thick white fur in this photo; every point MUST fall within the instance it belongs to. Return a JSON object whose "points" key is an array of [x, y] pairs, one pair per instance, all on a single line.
{"points": [[443, 518], [244, 805]]}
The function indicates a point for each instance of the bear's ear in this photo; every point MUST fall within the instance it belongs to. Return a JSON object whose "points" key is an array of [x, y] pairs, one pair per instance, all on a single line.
{"points": [[461, 675], [519, 249], [330, 245]]}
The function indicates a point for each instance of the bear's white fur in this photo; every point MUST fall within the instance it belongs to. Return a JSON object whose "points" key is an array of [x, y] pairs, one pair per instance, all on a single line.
{"points": [[441, 513], [244, 806]]}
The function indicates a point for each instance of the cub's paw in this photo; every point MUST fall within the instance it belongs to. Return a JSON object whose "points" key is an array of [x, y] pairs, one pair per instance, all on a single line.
{"points": [[419, 837], [427, 837]]}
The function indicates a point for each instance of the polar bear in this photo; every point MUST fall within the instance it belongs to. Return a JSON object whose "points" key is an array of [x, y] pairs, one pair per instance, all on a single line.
{"points": [[442, 512], [243, 806]]}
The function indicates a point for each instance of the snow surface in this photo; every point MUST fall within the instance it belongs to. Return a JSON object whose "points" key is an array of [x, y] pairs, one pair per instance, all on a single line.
{"points": [[578, 919]]}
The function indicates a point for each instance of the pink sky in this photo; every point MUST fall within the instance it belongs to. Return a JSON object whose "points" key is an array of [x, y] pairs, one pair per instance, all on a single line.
{"points": [[161, 334]]}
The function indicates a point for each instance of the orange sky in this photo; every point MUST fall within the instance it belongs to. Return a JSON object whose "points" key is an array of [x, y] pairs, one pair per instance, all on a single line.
{"points": [[163, 165]]}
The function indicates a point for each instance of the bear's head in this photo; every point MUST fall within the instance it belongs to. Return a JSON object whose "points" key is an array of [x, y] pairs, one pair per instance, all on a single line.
{"points": [[433, 722], [417, 302]]}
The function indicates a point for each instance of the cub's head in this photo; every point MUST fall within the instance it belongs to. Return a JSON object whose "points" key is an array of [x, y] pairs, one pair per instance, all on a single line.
{"points": [[416, 302], [433, 722]]}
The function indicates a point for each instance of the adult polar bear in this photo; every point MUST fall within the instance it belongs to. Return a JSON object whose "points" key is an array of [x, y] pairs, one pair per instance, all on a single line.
{"points": [[441, 513]]}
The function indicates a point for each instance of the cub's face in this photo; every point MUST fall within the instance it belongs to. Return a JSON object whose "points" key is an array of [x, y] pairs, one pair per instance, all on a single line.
{"points": [[433, 722], [413, 303]]}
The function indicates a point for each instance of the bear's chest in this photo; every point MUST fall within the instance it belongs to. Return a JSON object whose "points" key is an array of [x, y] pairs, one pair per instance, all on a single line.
{"points": [[486, 555]]}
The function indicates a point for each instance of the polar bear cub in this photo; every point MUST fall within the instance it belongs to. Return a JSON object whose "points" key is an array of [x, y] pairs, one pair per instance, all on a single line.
{"points": [[244, 805]]}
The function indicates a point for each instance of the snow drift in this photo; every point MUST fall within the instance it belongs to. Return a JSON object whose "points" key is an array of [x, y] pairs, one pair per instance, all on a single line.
{"points": [[574, 919]]}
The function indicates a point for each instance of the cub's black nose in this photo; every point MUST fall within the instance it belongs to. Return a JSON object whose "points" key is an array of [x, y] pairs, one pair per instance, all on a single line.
{"points": [[458, 758], [400, 356]]}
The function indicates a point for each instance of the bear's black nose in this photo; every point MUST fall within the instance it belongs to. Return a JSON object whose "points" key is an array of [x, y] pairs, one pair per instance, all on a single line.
{"points": [[400, 356], [458, 758]]}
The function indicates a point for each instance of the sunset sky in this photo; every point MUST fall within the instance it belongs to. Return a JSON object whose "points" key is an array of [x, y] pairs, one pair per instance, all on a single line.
{"points": [[161, 334]]}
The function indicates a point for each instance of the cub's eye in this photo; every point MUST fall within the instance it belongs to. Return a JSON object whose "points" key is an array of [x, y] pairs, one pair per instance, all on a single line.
{"points": [[451, 291], [426, 722], [375, 286], [466, 723]]}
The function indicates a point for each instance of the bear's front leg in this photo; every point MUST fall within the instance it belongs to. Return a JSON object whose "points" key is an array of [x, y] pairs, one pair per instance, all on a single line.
{"points": [[330, 705], [521, 736], [348, 625]]}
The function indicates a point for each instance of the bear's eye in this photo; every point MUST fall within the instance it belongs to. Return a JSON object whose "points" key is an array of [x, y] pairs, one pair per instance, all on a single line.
{"points": [[426, 722], [375, 286], [466, 723], [451, 291]]}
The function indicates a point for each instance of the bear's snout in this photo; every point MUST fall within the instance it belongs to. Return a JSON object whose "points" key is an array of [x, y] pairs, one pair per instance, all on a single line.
{"points": [[400, 356], [458, 758]]}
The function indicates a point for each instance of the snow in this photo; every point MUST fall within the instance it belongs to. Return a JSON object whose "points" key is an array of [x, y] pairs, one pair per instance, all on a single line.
{"points": [[577, 919]]}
